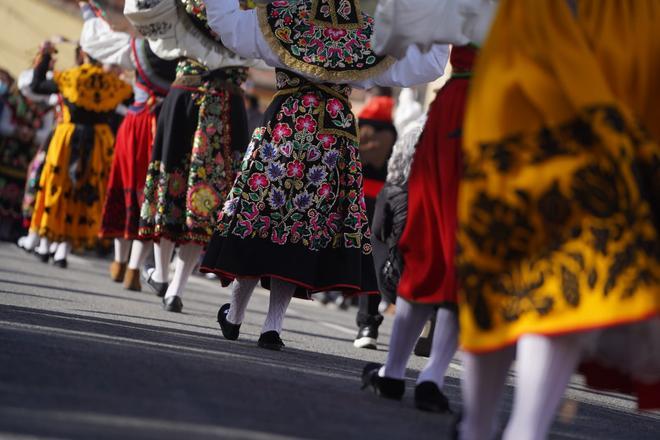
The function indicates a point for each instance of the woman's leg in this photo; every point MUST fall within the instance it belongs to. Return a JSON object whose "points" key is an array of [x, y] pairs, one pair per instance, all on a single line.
{"points": [[443, 347], [162, 256], [483, 381], [544, 367], [185, 262]]}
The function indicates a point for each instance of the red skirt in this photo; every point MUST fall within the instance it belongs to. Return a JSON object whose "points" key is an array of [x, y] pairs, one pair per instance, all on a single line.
{"points": [[428, 242], [121, 212]]}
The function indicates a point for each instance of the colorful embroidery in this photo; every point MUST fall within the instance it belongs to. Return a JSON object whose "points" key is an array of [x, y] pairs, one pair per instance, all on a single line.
{"points": [[91, 88], [330, 39], [298, 184]]}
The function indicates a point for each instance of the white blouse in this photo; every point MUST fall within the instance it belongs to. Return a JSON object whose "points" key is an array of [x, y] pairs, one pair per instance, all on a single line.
{"points": [[106, 45], [425, 23], [240, 33]]}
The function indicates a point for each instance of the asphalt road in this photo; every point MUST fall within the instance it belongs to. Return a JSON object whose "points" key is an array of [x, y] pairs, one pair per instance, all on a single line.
{"points": [[82, 358]]}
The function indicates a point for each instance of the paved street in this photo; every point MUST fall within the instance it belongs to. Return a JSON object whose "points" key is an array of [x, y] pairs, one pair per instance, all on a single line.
{"points": [[82, 358]]}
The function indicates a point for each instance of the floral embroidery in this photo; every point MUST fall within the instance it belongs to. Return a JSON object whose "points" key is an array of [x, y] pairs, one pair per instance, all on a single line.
{"points": [[298, 185], [317, 39]]}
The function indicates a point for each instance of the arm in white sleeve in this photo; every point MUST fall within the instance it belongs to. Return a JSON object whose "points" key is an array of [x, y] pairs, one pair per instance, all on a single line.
{"points": [[239, 30], [106, 45], [401, 23], [414, 69]]}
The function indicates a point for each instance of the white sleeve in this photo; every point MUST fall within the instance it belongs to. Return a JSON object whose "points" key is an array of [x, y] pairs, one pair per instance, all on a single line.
{"points": [[401, 23], [239, 30], [104, 44], [414, 69]]}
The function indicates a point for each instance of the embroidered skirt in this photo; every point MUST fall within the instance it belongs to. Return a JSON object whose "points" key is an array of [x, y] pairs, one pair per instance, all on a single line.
{"points": [[559, 208], [121, 211], [428, 243], [201, 135], [297, 211]]}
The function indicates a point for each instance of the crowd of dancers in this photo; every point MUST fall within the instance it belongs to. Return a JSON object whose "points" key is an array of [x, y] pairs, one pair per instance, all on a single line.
{"points": [[520, 214]]}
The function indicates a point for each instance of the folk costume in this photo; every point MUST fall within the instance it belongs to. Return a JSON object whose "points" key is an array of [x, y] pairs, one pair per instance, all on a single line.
{"points": [[19, 121], [296, 214], [558, 209], [201, 135], [72, 186], [153, 76]]}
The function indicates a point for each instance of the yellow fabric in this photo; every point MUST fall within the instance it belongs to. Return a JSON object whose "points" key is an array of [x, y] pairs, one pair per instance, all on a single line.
{"points": [[64, 212], [556, 226], [88, 86]]}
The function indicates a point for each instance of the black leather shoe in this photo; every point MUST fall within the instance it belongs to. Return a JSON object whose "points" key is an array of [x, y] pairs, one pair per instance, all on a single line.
{"points": [[173, 304], [428, 397], [62, 264], [159, 288], [382, 386], [367, 336], [229, 331], [42, 257], [270, 341]]}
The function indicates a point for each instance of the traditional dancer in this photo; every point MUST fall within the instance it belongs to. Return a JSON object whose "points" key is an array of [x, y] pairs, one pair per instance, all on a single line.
{"points": [[201, 135], [73, 183], [428, 284], [153, 76], [296, 215], [558, 212], [19, 121]]}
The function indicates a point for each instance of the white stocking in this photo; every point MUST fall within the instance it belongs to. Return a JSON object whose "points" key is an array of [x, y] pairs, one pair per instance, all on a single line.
{"points": [[443, 347], [30, 241], [544, 366], [483, 381], [43, 247], [52, 248], [185, 262], [281, 293], [162, 255], [241, 291], [62, 251], [122, 249], [408, 324], [139, 252]]}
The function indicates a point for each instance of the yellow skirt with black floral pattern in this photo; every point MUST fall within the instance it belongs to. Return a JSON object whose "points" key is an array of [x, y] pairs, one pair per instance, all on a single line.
{"points": [[559, 203], [68, 211]]}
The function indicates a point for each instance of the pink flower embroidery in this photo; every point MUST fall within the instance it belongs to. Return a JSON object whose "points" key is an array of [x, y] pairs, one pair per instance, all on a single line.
{"points": [[306, 123], [310, 100], [281, 130], [327, 140], [295, 169], [258, 180], [334, 107], [335, 34], [324, 190]]}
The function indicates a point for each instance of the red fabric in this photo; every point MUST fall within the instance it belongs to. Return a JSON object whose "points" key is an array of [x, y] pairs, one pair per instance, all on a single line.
{"points": [[372, 187], [604, 378], [121, 211], [378, 108], [428, 242]]}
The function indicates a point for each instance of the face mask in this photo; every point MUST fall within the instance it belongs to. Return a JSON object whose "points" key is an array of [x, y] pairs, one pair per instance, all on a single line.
{"points": [[3, 88]]}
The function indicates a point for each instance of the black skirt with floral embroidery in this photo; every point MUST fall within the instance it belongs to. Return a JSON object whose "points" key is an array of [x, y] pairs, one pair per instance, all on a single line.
{"points": [[200, 138], [297, 210]]}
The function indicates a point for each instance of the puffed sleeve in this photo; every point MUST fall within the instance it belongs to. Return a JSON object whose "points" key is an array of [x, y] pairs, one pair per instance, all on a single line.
{"points": [[413, 69], [239, 30], [401, 23], [106, 45]]}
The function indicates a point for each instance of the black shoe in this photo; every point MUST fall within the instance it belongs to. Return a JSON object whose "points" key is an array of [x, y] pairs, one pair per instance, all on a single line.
{"points": [[42, 257], [62, 264], [382, 386], [229, 331], [367, 337], [173, 304], [428, 397], [159, 288], [270, 341]]}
